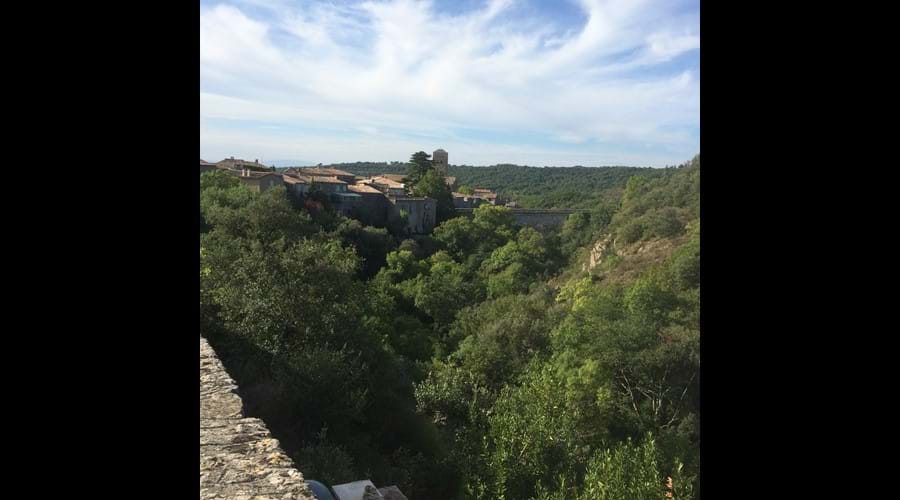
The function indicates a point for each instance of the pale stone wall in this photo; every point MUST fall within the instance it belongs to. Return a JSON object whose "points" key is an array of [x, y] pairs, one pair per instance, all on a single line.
{"points": [[421, 212], [239, 459]]}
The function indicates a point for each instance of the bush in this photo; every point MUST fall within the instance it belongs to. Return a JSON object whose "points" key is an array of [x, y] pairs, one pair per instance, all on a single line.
{"points": [[664, 223], [631, 232]]}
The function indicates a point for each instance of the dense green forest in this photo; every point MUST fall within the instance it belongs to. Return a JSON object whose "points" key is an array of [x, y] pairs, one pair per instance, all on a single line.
{"points": [[531, 187], [486, 360]]}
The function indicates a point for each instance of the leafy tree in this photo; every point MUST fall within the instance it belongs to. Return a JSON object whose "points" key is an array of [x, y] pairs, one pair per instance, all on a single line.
{"points": [[470, 364], [282, 305], [445, 290], [625, 472], [498, 338], [371, 245], [420, 163], [533, 187], [433, 184]]}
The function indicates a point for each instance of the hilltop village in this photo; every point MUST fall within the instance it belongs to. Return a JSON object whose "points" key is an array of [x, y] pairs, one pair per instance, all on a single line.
{"points": [[377, 201]]}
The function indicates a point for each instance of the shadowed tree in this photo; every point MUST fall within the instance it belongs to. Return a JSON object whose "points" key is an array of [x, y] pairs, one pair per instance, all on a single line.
{"points": [[419, 164]]}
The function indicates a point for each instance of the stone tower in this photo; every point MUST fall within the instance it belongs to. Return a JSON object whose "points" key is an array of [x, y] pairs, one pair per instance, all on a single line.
{"points": [[439, 159]]}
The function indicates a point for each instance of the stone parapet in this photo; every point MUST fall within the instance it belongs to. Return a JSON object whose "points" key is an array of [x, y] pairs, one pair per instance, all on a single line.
{"points": [[239, 459]]}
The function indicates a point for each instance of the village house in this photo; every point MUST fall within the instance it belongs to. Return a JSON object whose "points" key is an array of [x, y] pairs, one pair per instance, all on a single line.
{"points": [[346, 177], [461, 200], [296, 185], [258, 181], [372, 206], [206, 166], [387, 185], [419, 212], [377, 201], [328, 184], [238, 164], [487, 194]]}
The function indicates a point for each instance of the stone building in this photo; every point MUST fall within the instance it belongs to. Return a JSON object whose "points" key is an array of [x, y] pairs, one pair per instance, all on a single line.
{"points": [[238, 164], [420, 212], [372, 206], [347, 177], [297, 185], [206, 166], [328, 184], [489, 195], [258, 181], [388, 185], [380, 201], [440, 161], [461, 200]]}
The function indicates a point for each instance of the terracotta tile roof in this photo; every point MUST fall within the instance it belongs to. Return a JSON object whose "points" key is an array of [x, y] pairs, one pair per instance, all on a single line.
{"points": [[363, 188], [323, 171], [238, 163], [385, 181], [251, 174], [294, 179], [327, 180], [394, 177]]}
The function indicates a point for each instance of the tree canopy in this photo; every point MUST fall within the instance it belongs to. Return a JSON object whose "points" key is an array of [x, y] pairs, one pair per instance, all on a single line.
{"points": [[487, 360]]}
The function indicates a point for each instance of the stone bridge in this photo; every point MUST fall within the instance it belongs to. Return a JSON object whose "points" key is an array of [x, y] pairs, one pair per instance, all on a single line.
{"points": [[534, 217]]}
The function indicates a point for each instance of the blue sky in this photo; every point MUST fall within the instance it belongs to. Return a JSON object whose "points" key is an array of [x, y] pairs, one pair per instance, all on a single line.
{"points": [[565, 82]]}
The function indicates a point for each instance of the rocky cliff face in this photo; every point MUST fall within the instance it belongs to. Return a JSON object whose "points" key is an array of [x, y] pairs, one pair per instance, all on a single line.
{"points": [[600, 250], [631, 258], [239, 459]]}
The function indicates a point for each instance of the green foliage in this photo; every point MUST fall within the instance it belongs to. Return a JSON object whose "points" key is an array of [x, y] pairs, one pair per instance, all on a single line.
{"points": [[686, 264], [419, 164], [465, 365], [498, 338], [282, 305], [631, 232], [433, 185], [445, 290], [631, 471], [370, 244], [661, 206], [218, 179], [490, 228], [325, 462], [402, 265], [531, 187], [664, 222], [466, 190]]}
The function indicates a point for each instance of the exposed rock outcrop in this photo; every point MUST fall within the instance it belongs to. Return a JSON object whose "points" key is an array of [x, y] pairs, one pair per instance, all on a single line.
{"points": [[631, 259], [598, 252]]}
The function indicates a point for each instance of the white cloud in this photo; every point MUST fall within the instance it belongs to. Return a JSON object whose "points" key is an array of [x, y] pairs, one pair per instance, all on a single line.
{"points": [[390, 70]]}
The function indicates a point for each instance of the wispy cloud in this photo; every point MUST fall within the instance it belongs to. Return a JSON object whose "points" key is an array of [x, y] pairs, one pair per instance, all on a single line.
{"points": [[616, 83]]}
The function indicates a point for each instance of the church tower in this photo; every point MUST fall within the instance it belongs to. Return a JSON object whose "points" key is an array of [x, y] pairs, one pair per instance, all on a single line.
{"points": [[439, 159]]}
